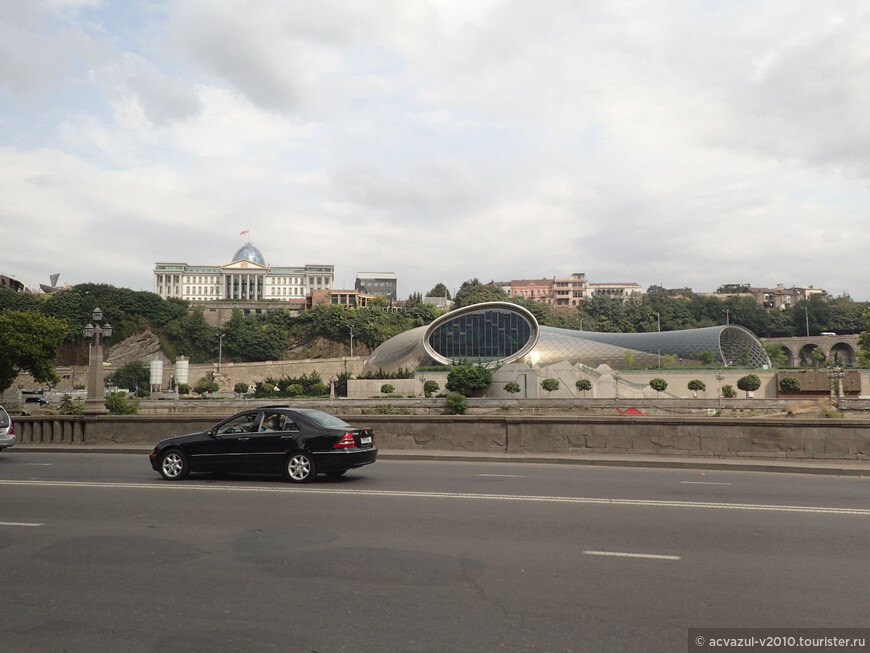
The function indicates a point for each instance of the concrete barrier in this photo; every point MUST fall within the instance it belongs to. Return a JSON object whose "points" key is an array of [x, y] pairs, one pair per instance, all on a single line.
{"points": [[786, 438]]}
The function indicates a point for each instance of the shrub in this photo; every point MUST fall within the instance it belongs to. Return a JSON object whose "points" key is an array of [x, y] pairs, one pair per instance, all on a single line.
{"points": [[430, 387], [68, 406], [549, 385], [318, 389], [728, 392], [204, 386], [240, 388], [790, 384], [749, 383], [511, 387], [183, 388], [583, 385], [295, 390], [118, 404], [658, 384], [696, 385], [469, 379], [388, 389], [456, 404]]}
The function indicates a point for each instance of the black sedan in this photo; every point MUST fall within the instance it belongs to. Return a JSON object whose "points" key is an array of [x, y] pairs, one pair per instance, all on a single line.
{"points": [[296, 442]]}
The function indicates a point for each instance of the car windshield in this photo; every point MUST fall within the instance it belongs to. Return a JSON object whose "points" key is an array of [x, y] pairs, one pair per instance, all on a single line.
{"points": [[325, 420]]}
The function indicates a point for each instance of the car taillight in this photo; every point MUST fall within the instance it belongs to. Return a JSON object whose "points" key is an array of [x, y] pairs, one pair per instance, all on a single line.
{"points": [[346, 441], [11, 427]]}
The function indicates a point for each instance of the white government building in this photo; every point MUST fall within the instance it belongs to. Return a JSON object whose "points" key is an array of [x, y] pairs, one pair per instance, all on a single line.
{"points": [[246, 278]]}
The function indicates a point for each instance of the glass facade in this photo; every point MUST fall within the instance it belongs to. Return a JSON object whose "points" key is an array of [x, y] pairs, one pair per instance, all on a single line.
{"points": [[482, 336]]}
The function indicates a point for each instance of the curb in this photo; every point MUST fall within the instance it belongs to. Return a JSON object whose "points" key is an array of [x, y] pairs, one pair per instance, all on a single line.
{"points": [[787, 467]]}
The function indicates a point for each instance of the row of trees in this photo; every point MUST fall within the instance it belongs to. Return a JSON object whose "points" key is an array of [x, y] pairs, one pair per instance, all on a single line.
{"points": [[685, 309], [38, 332]]}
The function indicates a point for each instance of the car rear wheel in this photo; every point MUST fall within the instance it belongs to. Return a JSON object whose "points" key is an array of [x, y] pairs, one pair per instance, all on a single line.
{"points": [[173, 465], [300, 468]]}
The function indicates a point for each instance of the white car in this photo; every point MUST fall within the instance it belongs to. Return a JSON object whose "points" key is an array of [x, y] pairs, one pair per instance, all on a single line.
{"points": [[7, 430]]}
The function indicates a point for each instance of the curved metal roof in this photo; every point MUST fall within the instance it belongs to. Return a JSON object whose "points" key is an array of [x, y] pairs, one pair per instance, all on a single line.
{"points": [[500, 332]]}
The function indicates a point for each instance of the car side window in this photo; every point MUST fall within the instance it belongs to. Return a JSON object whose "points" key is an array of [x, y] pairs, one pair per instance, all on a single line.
{"points": [[241, 424], [272, 422], [290, 425]]}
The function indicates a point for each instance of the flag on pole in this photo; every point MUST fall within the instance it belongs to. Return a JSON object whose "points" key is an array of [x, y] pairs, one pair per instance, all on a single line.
{"points": [[244, 233]]}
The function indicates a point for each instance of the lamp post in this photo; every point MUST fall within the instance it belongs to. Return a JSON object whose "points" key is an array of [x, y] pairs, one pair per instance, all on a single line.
{"points": [[94, 334], [835, 374], [220, 350], [659, 320], [350, 326]]}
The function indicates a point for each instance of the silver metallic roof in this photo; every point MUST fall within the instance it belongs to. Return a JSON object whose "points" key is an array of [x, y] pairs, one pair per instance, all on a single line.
{"points": [[487, 333], [248, 252]]}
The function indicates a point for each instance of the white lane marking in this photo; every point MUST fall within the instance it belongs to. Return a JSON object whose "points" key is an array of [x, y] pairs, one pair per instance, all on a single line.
{"points": [[165, 485], [702, 483], [500, 475], [617, 554], [14, 523]]}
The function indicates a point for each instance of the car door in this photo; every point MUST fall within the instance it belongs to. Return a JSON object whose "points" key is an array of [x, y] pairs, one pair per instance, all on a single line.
{"points": [[230, 445]]}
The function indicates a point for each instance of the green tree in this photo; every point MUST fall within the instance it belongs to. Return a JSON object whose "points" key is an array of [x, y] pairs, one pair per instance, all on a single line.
{"points": [[707, 357], [240, 388], [469, 380], [629, 359], [749, 383], [183, 389], [29, 343], [204, 386], [818, 357], [456, 404], [119, 404], [430, 387], [131, 376], [440, 290], [474, 292], [584, 385], [658, 384], [696, 385], [550, 385], [790, 384], [70, 406], [776, 354], [512, 387]]}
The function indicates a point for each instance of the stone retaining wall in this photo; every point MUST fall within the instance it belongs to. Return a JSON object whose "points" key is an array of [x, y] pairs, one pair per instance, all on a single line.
{"points": [[786, 438]]}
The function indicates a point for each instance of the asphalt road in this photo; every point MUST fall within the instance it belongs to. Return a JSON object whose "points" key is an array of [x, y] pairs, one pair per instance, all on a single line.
{"points": [[97, 553]]}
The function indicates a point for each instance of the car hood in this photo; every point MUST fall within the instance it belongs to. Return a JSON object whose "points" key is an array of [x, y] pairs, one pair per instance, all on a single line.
{"points": [[187, 438]]}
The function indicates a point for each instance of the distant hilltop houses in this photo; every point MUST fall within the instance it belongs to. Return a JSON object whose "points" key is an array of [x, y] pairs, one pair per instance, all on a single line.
{"points": [[251, 285]]}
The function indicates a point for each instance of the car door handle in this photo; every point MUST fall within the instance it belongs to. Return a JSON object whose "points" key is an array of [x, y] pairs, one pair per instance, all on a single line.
{"points": [[245, 439]]}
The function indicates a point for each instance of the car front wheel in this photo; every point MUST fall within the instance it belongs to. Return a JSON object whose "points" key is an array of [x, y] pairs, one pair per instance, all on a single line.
{"points": [[173, 465], [300, 468]]}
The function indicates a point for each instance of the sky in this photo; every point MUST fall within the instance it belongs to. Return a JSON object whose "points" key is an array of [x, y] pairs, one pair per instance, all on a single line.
{"points": [[682, 143]]}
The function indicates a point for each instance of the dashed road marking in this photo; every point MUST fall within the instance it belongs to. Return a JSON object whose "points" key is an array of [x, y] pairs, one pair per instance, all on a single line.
{"points": [[619, 554]]}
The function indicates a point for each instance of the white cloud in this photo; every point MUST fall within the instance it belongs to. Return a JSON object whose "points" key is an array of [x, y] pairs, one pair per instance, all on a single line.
{"points": [[689, 144]]}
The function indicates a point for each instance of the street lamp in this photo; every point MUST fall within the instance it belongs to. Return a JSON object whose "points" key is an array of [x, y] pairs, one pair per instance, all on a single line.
{"points": [[220, 350], [836, 374], [94, 334], [350, 326], [659, 319]]}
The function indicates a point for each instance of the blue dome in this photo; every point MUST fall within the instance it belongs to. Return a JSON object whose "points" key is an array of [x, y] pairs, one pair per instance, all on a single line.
{"points": [[248, 253]]}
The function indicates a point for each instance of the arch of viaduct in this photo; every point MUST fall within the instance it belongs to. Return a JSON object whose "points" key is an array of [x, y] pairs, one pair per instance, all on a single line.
{"points": [[840, 350]]}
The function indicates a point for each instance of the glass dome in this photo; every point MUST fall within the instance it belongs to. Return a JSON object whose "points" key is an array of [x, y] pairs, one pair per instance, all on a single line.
{"points": [[248, 253]]}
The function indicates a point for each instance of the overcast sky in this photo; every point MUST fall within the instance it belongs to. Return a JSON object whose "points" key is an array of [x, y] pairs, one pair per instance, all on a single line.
{"points": [[674, 142]]}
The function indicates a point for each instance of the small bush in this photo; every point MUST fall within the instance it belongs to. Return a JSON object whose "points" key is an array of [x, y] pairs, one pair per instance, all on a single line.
{"points": [[456, 404], [696, 385], [658, 384], [583, 385], [790, 384], [118, 404], [728, 392], [388, 389], [68, 406], [511, 387], [240, 388], [387, 409], [430, 387]]}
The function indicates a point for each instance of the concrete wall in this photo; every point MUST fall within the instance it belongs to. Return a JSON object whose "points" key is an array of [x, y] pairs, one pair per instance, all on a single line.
{"points": [[817, 439]]}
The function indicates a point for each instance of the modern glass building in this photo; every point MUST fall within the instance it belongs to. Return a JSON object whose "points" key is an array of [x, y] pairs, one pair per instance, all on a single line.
{"points": [[500, 332]]}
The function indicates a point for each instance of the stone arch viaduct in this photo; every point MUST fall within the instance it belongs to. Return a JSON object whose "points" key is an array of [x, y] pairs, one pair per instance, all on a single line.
{"points": [[839, 350]]}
